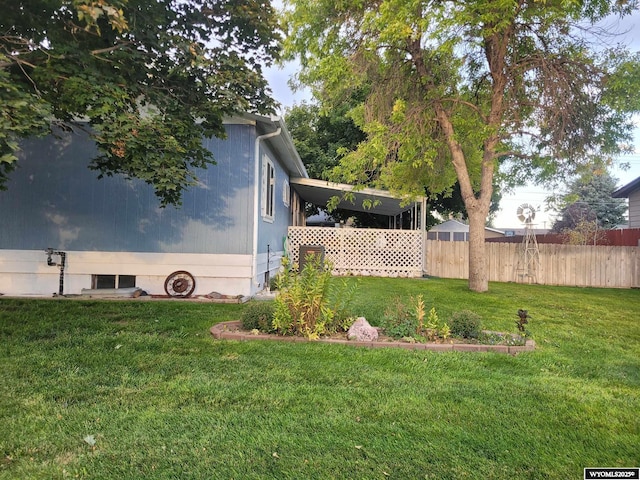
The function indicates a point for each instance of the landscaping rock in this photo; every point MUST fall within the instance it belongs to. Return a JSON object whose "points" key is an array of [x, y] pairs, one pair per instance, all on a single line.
{"points": [[362, 331]]}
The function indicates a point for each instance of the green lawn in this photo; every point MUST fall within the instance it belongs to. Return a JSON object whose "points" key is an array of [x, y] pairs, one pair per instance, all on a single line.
{"points": [[139, 389]]}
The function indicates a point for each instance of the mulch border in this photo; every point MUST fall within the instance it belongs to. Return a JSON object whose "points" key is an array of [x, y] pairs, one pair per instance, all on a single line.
{"points": [[231, 331]]}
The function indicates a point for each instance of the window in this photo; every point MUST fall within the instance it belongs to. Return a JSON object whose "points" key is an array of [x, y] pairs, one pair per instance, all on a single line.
{"points": [[286, 194], [104, 281], [112, 281], [459, 236], [126, 281], [268, 189], [444, 236]]}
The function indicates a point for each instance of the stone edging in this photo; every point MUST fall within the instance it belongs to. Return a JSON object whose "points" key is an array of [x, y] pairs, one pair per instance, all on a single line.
{"points": [[228, 331]]}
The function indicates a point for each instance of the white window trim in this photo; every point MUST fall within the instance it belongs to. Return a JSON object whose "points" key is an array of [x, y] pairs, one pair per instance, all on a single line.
{"points": [[268, 189]]}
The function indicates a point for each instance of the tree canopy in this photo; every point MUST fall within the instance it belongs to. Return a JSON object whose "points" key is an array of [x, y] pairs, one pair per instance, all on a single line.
{"points": [[452, 89], [147, 78]]}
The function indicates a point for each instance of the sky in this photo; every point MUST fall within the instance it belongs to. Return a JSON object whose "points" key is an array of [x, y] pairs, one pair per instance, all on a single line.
{"points": [[506, 218]]}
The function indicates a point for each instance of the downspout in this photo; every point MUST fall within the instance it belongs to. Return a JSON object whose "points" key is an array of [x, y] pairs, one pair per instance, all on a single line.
{"points": [[256, 200]]}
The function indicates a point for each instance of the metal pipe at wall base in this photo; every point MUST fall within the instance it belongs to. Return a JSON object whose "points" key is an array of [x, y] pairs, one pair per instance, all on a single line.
{"points": [[267, 275], [63, 262]]}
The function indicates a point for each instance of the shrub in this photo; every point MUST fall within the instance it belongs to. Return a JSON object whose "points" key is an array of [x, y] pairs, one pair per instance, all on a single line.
{"points": [[311, 303], [411, 321], [258, 316], [465, 324]]}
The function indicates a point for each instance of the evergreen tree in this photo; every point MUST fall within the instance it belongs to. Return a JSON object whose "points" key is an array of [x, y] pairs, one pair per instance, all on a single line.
{"points": [[589, 200]]}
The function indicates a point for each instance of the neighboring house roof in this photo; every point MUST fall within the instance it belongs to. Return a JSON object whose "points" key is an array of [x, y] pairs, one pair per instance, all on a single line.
{"points": [[450, 226], [628, 189], [457, 226], [319, 192]]}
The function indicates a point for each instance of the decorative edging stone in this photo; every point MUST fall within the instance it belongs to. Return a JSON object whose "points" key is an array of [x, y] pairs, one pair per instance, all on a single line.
{"points": [[230, 331]]}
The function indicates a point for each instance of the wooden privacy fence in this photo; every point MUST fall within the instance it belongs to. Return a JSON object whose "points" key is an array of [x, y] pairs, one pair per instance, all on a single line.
{"points": [[584, 266], [375, 252]]}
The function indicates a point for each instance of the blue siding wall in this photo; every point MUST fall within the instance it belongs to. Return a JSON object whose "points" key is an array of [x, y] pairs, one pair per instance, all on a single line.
{"points": [[272, 234], [54, 200]]}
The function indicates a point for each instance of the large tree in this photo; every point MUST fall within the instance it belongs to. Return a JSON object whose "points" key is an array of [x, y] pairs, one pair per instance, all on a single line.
{"points": [[146, 78], [453, 88]]}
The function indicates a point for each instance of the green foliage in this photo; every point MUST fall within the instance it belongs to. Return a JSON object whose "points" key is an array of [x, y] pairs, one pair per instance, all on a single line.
{"points": [[21, 114], [419, 309], [258, 316], [436, 330], [465, 324], [151, 78], [411, 321], [310, 303], [320, 136], [399, 320], [445, 331], [433, 320], [585, 232]]}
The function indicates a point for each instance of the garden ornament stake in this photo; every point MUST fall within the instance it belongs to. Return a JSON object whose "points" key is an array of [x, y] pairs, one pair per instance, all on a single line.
{"points": [[523, 319]]}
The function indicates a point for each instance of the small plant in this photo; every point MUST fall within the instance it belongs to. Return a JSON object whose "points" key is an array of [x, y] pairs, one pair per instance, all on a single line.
{"points": [[420, 313], [398, 320], [345, 324], [445, 331], [432, 324], [499, 338], [523, 319], [465, 324], [258, 316], [310, 303]]}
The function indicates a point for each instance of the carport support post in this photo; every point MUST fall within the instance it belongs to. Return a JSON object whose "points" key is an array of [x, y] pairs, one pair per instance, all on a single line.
{"points": [[423, 226]]}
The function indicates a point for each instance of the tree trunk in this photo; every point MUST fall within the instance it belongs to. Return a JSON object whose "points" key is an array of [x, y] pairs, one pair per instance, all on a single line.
{"points": [[478, 274]]}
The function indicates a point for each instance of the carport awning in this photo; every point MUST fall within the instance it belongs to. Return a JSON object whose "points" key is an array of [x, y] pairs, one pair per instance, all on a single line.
{"points": [[319, 192]]}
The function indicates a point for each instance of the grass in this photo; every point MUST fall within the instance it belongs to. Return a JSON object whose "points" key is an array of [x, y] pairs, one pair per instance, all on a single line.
{"points": [[133, 389]]}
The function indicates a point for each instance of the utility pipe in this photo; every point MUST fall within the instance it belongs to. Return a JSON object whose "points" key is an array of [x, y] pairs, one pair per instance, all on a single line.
{"points": [[62, 264]]}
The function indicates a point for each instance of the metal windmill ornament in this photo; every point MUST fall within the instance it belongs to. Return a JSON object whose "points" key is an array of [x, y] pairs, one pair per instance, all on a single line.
{"points": [[529, 254]]}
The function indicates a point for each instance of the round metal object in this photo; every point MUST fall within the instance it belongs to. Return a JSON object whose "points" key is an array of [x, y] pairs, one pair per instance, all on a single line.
{"points": [[180, 284]]}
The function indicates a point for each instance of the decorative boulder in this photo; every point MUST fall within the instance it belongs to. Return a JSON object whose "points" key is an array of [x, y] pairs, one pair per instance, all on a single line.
{"points": [[361, 331]]}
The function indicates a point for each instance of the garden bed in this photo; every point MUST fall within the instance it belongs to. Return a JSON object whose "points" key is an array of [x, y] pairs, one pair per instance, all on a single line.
{"points": [[233, 331]]}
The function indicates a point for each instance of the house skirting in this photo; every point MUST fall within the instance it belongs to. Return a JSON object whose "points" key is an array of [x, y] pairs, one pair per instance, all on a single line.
{"points": [[26, 272]]}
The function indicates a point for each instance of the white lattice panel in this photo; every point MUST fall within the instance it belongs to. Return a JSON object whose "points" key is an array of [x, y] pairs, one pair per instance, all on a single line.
{"points": [[381, 253]]}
